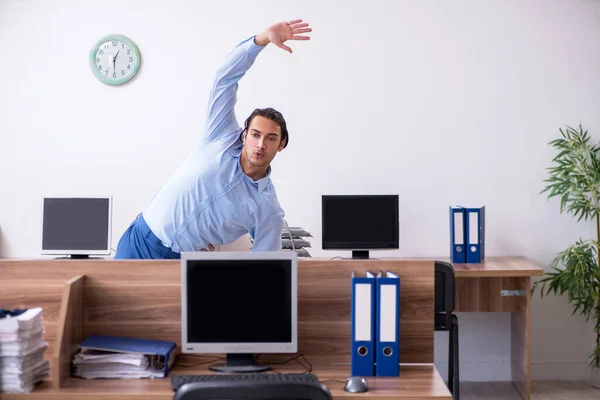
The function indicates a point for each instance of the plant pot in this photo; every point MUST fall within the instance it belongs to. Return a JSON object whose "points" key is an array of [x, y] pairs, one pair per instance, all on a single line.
{"points": [[595, 378]]}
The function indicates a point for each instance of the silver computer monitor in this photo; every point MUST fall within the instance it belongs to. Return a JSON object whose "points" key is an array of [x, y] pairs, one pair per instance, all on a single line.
{"points": [[240, 304], [76, 226]]}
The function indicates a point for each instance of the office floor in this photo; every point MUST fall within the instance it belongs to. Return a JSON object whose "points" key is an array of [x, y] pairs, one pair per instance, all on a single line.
{"points": [[540, 390]]}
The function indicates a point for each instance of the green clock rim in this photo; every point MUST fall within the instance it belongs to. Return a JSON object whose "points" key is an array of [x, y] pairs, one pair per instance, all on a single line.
{"points": [[112, 81]]}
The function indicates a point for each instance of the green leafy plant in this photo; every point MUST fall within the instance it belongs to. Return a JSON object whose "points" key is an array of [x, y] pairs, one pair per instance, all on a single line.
{"points": [[575, 178]]}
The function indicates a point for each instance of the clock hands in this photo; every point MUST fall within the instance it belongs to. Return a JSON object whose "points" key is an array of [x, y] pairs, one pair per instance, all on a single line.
{"points": [[114, 61]]}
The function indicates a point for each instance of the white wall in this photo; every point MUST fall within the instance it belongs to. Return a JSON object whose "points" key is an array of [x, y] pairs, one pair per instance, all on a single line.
{"points": [[440, 102]]}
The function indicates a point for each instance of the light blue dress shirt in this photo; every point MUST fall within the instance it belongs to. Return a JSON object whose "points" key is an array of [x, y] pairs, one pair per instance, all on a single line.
{"points": [[210, 200]]}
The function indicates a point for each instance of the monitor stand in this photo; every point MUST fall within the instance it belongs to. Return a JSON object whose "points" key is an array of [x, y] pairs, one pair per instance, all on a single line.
{"points": [[360, 254], [239, 363], [79, 257]]}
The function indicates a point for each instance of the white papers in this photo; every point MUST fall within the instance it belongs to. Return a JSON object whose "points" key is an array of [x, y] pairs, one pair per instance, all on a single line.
{"points": [[21, 323], [19, 381], [22, 348], [103, 357], [95, 364]]}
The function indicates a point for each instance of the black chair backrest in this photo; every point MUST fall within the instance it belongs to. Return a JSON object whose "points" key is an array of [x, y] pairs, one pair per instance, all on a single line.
{"points": [[444, 289], [240, 390]]}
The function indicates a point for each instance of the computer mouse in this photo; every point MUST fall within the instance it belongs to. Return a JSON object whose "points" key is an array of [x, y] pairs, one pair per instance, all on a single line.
{"points": [[356, 384]]}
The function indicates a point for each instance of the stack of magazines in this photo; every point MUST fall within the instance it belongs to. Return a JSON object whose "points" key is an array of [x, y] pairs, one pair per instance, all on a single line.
{"points": [[22, 348]]}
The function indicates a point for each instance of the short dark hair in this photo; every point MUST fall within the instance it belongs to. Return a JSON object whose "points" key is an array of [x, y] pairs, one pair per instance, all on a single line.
{"points": [[274, 116]]}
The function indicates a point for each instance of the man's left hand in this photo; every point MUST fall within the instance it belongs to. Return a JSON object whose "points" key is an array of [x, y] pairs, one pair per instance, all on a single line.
{"points": [[210, 246], [282, 32]]}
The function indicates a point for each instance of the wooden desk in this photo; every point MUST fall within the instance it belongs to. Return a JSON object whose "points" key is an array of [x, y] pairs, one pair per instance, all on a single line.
{"points": [[418, 382], [143, 299], [502, 284]]}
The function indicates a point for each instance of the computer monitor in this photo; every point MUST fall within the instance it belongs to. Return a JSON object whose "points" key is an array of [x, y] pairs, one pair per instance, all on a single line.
{"points": [[240, 304], [76, 226], [360, 223]]}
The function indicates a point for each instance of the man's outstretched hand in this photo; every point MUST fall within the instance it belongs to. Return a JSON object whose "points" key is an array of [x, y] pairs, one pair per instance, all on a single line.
{"points": [[279, 33]]}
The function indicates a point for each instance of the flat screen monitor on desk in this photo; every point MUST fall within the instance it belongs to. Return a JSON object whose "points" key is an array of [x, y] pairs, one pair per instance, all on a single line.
{"points": [[76, 226], [360, 223], [240, 304]]}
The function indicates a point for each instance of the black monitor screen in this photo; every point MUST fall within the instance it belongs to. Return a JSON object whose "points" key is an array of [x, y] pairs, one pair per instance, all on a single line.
{"points": [[360, 222], [239, 301], [76, 224]]}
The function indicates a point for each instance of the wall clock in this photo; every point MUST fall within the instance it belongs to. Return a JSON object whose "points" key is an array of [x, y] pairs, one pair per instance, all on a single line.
{"points": [[115, 59]]}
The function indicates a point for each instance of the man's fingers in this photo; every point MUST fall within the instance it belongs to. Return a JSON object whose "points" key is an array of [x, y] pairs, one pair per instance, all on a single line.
{"points": [[283, 46], [297, 37], [294, 21], [294, 26], [303, 30]]}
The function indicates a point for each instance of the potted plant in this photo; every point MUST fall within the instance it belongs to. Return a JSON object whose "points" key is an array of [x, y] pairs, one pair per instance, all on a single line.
{"points": [[575, 178]]}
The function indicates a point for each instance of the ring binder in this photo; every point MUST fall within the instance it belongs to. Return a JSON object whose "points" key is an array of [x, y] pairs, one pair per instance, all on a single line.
{"points": [[363, 325], [387, 359], [159, 355]]}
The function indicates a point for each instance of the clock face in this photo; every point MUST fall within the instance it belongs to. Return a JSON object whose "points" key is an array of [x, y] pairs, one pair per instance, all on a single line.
{"points": [[115, 59]]}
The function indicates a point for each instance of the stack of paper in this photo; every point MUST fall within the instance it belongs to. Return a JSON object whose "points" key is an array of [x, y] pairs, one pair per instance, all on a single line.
{"points": [[94, 364], [22, 348]]}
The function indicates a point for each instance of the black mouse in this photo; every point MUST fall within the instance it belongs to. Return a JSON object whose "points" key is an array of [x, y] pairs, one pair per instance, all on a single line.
{"points": [[356, 384]]}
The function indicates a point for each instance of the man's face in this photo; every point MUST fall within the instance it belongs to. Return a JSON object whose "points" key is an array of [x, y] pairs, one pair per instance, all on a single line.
{"points": [[263, 141]]}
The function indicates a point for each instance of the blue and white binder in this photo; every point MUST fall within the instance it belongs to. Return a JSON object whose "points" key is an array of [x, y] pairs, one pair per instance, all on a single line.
{"points": [[160, 353], [475, 233], [362, 357], [387, 358], [458, 234]]}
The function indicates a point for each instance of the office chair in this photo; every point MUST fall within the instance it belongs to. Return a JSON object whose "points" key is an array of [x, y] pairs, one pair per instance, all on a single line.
{"points": [[248, 390], [445, 320]]}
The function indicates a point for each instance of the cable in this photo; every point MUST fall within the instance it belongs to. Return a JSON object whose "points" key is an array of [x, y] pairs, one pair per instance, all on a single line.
{"points": [[307, 369], [332, 380], [191, 365]]}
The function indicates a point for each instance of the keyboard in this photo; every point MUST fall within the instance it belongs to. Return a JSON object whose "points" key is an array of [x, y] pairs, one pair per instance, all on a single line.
{"points": [[179, 380]]}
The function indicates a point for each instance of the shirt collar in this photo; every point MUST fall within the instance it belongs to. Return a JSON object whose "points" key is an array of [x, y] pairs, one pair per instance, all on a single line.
{"points": [[262, 182]]}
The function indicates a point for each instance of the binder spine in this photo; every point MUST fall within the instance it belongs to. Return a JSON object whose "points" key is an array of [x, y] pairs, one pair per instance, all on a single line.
{"points": [[387, 360], [457, 235], [475, 226], [363, 327]]}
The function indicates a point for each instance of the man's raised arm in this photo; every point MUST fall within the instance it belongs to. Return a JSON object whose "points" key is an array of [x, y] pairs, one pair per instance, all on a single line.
{"points": [[220, 118]]}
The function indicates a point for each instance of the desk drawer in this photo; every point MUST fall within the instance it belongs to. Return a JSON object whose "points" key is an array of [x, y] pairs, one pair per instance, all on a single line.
{"points": [[496, 294]]}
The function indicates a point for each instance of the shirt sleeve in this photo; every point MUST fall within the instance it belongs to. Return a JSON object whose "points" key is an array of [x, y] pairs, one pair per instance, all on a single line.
{"points": [[220, 116], [267, 235]]}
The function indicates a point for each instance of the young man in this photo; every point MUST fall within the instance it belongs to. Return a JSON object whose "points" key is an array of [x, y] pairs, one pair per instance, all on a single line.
{"points": [[223, 190]]}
